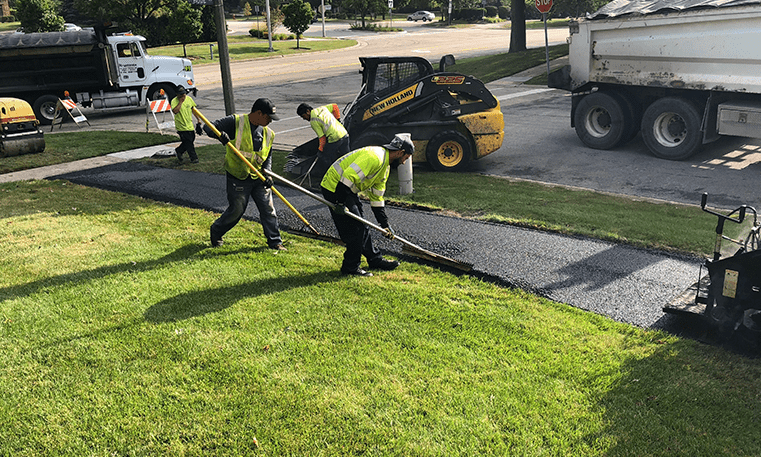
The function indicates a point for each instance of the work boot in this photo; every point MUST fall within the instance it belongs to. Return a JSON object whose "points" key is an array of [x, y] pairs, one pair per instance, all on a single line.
{"points": [[383, 264], [194, 160], [278, 247], [216, 241], [356, 272]]}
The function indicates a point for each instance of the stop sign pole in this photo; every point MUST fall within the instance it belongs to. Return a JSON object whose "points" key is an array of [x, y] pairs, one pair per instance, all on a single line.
{"points": [[544, 7]]}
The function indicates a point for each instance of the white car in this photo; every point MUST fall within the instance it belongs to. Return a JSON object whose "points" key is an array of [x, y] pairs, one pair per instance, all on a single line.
{"points": [[69, 27], [424, 15]]}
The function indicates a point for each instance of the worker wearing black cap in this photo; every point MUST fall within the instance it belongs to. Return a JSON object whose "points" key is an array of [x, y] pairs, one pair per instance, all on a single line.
{"points": [[251, 136], [363, 170], [182, 107]]}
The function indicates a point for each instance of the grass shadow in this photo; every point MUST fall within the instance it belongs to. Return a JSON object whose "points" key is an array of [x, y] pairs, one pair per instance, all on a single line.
{"points": [[199, 303]]}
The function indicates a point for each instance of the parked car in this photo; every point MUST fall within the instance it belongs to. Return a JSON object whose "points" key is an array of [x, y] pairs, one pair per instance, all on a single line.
{"points": [[69, 27], [424, 15]]}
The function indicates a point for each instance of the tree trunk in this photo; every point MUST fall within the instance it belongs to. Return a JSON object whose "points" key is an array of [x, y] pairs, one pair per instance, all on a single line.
{"points": [[517, 26]]}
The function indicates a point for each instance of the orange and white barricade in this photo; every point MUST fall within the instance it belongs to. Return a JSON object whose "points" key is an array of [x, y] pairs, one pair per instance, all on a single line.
{"points": [[67, 105], [161, 105]]}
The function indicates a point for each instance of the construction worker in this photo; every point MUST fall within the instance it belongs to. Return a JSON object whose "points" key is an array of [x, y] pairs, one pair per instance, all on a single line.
{"points": [[251, 136], [363, 170], [182, 107], [333, 137]]}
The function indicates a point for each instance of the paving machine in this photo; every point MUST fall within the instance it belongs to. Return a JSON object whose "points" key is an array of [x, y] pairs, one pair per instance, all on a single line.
{"points": [[19, 128], [728, 298], [452, 118]]}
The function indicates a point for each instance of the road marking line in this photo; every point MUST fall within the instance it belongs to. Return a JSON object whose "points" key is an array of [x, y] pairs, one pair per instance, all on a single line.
{"points": [[293, 130], [522, 94]]}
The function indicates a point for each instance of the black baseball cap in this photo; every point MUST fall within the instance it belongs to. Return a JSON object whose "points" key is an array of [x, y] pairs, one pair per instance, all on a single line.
{"points": [[181, 90], [265, 106]]}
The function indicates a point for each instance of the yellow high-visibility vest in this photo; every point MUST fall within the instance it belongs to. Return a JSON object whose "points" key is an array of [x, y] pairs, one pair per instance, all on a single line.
{"points": [[363, 170]]}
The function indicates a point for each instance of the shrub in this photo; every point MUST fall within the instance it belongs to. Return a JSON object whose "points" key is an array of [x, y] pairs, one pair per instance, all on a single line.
{"points": [[491, 11], [503, 12]]}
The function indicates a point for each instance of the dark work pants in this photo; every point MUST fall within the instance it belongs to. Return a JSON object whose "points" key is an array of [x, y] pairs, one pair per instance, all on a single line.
{"points": [[353, 233], [238, 193], [187, 138], [330, 154]]}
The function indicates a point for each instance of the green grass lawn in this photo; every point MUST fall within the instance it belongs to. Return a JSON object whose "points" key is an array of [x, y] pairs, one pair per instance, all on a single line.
{"points": [[243, 47], [123, 333], [71, 146], [493, 67]]}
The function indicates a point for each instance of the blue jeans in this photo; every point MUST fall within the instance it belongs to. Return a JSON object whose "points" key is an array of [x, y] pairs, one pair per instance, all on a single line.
{"points": [[238, 193]]}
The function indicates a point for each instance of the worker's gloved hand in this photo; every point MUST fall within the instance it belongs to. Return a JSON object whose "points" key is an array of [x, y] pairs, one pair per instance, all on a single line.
{"points": [[223, 138], [199, 129], [340, 209], [389, 233], [268, 182]]}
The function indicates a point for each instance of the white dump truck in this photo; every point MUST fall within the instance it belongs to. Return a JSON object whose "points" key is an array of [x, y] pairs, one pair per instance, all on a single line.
{"points": [[681, 73], [98, 71]]}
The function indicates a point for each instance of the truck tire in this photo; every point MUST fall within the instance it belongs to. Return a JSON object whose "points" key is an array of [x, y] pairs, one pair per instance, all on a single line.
{"points": [[155, 91], [449, 150], [600, 121], [44, 108], [632, 117], [671, 128]]}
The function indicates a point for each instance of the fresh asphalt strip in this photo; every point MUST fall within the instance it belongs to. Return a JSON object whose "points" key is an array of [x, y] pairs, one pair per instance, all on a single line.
{"points": [[625, 283]]}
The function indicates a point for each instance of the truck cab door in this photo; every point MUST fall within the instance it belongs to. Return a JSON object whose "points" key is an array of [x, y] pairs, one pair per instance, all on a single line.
{"points": [[131, 62]]}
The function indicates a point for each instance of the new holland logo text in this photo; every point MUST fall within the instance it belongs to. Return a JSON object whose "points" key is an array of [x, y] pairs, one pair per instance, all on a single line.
{"points": [[390, 102]]}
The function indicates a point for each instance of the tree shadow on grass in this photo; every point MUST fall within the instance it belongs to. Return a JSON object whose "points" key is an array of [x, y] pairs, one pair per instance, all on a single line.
{"points": [[199, 303]]}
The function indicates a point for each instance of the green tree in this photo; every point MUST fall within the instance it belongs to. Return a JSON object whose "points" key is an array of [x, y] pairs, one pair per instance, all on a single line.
{"points": [[247, 9], [136, 14], [39, 16], [276, 17], [366, 7], [184, 24], [298, 17]]}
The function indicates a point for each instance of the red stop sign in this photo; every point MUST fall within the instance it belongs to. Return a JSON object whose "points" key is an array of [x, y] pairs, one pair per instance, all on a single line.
{"points": [[544, 6]]}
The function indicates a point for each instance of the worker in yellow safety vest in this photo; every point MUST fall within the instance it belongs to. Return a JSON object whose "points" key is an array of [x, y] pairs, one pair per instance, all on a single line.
{"points": [[333, 137], [364, 170], [251, 136]]}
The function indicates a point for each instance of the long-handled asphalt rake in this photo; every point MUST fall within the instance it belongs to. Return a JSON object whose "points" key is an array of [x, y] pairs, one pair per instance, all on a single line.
{"points": [[408, 246]]}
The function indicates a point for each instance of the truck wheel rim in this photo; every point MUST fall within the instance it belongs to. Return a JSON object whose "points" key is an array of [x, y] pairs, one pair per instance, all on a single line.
{"points": [[598, 122], [669, 129], [450, 153], [48, 110]]}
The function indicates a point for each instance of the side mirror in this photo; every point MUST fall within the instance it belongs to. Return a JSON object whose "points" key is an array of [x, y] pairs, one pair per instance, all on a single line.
{"points": [[446, 61]]}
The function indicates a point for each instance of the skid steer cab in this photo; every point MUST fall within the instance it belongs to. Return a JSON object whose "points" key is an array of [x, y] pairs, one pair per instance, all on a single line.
{"points": [[19, 128], [728, 297], [452, 118]]}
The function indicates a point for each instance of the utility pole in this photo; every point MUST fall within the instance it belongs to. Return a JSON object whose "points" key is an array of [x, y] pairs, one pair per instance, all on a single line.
{"points": [[269, 25], [224, 58]]}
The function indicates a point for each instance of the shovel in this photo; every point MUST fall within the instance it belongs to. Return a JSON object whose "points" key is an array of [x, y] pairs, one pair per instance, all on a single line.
{"points": [[409, 247]]}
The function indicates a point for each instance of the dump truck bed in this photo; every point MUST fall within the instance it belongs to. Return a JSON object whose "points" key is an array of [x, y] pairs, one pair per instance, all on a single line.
{"points": [[704, 45]]}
